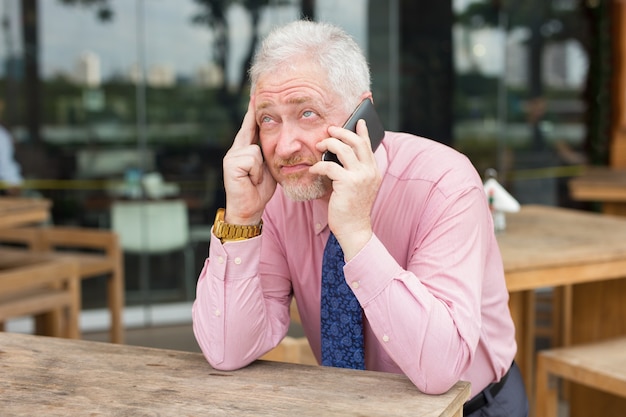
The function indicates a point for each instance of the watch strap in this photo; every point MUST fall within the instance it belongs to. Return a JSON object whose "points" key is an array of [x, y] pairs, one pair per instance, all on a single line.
{"points": [[227, 232]]}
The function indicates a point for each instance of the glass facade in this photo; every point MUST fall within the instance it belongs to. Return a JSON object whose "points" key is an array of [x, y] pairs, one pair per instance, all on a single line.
{"points": [[121, 101]]}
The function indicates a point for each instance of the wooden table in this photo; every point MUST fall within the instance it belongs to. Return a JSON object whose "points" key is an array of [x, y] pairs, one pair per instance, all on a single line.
{"points": [[601, 184], [581, 251], [61, 377], [17, 211]]}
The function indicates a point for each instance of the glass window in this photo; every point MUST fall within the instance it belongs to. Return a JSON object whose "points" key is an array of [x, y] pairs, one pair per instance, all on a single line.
{"points": [[137, 101], [520, 107]]}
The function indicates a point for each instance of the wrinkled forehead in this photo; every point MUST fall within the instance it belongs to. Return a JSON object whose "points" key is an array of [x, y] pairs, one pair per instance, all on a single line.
{"points": [[301, 64]]}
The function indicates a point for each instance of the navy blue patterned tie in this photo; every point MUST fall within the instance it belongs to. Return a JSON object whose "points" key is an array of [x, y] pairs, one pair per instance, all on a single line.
{"points": [[341, 314]]}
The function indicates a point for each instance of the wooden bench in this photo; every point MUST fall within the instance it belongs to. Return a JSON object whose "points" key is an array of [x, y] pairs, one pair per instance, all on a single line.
{"points": [[598, 365], [46, 288], [97, 252]]}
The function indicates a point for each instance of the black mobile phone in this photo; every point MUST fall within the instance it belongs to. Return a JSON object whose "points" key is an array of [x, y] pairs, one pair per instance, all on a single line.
{"points": [[365, 110]]}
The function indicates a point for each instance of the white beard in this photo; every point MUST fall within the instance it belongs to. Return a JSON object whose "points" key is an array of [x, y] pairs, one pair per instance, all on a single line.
{"points": [[300, 192]]}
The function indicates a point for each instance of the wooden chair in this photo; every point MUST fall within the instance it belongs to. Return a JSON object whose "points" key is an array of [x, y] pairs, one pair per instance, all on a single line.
{"points": [[48, 289], [97, 252], [553, 315], [598, 365], [292, 349]]}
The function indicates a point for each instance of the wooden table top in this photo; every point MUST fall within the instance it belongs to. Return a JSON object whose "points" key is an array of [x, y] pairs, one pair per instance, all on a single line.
{"points": [[17, 211], [547, 246], [599, 184], [61, 377]]}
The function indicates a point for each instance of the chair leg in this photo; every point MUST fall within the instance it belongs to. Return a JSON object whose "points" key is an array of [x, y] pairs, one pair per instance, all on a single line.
{"points": [[50, 323], [115, 290], [546, 392], [72, 317]]}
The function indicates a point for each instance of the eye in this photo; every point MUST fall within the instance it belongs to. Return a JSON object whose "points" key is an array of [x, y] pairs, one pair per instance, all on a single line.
{"points": [[308, 113], [266, 119]]}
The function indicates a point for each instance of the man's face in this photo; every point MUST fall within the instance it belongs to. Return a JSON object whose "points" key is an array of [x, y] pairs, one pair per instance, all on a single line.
{"points": [[293, 109]]}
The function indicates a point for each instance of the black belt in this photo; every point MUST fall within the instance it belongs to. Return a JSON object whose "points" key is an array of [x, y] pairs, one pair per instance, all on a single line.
{"points": [[479, 400]]}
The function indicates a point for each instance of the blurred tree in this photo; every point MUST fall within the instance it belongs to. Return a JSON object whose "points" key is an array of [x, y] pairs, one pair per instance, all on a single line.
{"points": [[104, 11], [30, 39], [213, 15]]}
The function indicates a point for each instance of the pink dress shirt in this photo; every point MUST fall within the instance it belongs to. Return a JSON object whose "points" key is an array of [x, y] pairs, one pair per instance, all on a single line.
{"points": [[430, 280]]}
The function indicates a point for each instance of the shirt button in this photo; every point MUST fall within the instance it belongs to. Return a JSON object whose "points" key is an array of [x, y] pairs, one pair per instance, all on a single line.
{"points": [[318, 226], [385, 338], [355, 285], [218, 313], [220, 259], [237, 261]]}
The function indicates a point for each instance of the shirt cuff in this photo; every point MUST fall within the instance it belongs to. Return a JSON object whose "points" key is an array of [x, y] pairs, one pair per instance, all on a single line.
{"points": [[235, 260]]}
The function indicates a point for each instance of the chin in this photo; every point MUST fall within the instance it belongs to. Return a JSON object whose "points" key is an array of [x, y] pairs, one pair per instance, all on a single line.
{"points": [[297, 191]]}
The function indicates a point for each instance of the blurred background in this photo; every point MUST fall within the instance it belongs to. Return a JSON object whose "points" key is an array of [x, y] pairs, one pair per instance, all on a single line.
{"points": [[117, 101]]}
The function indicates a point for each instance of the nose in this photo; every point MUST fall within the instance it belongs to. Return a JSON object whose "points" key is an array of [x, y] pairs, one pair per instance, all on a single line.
{"points": [[288, 142]]}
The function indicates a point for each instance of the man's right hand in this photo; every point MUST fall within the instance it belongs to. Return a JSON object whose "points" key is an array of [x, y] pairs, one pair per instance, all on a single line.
{"points": [[248, 183]]}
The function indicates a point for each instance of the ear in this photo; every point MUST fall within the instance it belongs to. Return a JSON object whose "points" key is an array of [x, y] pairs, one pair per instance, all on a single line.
{"points": [[366, 94]]}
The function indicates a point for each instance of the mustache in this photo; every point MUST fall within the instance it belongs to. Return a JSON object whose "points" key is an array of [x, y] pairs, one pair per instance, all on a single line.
{"points": [[294, 160]]}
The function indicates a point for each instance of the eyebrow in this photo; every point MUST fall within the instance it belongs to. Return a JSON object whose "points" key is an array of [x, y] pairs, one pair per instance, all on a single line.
{"points": [[299, 100], [296, 100]]}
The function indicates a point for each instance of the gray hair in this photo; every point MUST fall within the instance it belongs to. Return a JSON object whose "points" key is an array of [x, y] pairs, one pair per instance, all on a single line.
{"points": [[325, 44]]}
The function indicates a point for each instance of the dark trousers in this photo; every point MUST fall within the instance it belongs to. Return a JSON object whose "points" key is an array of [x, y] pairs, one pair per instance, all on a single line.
{"points": [[511, 400]]}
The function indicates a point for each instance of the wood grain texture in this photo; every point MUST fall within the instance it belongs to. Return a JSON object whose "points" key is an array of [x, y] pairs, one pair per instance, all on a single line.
{"points": [[60, 377]]}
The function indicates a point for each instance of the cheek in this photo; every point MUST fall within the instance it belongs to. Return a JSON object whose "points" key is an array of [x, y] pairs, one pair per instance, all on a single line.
{"points": [[310, 137], [268, 143]]}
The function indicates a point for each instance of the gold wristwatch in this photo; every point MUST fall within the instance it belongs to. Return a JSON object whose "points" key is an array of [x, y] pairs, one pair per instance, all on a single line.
{"points": [[233, 232]]}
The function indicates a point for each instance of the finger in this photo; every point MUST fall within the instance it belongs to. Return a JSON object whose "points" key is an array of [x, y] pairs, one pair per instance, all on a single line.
{"points": [[345, 144], [364, 151], [328, 169], [363, 131], [268, 184], [344, 135], [359, 142], [257, 169], [248, 133]]}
